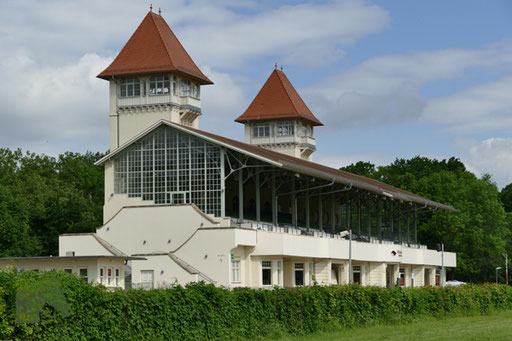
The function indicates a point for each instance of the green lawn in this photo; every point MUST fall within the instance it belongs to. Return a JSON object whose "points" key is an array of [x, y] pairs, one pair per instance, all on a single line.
{"points": [[495, 326]]}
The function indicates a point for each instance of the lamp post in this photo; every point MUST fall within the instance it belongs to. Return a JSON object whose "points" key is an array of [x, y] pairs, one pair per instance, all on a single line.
{"points": [[498, 268], [505, 257]]}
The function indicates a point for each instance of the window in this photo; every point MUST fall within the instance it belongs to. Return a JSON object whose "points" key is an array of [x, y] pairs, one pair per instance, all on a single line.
{"points": [[102, 275], [266, 272], [438, 277], [279, 270], [195, 91], [261, 130], [285, 128], [129, 87], [401, 278], [69, 271], [147, 279], [84, 274], [304, 130], [299, 274], [356, 274], [185, 87], [171, 167], [235, 271], [159, 85], [109, 276], [118, 276]]}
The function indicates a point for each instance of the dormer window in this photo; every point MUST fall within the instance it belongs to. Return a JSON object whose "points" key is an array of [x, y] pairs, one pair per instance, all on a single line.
{"points": [[285, 128], [159, 85], [185, 87], [261, 130], [129, 87]]}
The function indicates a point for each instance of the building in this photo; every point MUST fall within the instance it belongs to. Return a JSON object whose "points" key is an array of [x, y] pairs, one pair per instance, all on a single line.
{"points": [[259, 213]]}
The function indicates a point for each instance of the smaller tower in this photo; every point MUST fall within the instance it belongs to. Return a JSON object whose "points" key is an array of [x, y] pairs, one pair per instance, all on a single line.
{"points": [[278, 119]]}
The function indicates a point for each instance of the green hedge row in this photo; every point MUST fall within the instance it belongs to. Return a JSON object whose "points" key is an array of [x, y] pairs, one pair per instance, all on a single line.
{"points": [[204, 312]]}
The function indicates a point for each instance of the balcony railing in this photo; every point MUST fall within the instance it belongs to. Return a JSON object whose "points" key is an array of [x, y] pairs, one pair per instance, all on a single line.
{"points": [[254, 225]]}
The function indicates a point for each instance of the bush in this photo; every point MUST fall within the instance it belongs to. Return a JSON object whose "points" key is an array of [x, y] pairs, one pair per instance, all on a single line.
{"points": [[205, 312]]}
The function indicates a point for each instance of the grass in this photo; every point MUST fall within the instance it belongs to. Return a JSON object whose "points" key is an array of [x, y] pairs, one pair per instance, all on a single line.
{"points": [[495, 326]]}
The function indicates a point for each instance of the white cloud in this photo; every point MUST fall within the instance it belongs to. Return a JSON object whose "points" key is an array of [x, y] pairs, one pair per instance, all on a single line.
{"points": [[493, 156], [386, 89], [42, 103], [485, 106]]}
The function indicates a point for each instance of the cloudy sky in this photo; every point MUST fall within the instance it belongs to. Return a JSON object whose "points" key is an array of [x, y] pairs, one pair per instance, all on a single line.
{"points": [[388, 79]]}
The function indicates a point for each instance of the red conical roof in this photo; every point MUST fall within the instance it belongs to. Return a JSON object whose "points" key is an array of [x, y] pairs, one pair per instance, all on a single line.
{"points": [[153, 48], [278, 99]]}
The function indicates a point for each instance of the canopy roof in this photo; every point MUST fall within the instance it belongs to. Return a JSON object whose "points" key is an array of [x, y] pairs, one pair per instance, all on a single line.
{"points": [[290, 163], [278, 99], [153, 48]]}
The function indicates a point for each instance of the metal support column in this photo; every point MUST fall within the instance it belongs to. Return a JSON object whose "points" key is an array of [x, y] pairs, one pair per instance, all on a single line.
{"points": [[333, 214], [222, 182], [307, 211], [241, 194], [274, 199], [347, 210], [258, 201], [320, 214], [294, 205], [415, 226], [359, 215], [408, 230]]}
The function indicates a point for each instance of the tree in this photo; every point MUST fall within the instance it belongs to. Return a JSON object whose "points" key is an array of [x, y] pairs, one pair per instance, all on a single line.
{"points": [[15, 238], [478, 232], [506, 197]]}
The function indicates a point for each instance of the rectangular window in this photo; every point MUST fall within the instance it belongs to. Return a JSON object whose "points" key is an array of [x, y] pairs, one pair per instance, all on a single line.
{"points": [[185, 88], [109, 276], [84, 274], [299, 274], [356, 274], [102, 275], [118, 276], [147, 279], [285, 128], [195, 91], [266, 272], [304, 130], [129, 87], [159, 85], [261, 130], [279, 270], [235, 271], [69, 271], [438, 277], [401, 278]]}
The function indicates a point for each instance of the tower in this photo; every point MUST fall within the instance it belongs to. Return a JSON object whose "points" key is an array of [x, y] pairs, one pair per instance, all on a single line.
{"points": [[152, 78], [278, 119]]}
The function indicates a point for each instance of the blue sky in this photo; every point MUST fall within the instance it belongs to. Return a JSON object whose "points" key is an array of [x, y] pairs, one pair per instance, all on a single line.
{"points": [[387, 78]]}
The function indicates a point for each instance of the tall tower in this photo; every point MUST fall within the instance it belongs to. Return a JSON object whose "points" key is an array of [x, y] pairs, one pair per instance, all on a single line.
{"points": [[152, 78], [278, 119]]}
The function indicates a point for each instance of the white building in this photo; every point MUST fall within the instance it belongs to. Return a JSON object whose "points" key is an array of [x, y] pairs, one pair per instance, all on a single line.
{"points": [[202, 207]]}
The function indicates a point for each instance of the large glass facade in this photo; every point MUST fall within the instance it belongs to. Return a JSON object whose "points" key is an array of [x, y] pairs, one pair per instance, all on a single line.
{"points": [[171, 167]]}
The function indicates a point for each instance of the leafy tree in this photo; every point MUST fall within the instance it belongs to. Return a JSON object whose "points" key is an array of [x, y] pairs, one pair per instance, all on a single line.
{"points": [[15, 238], [479, 232], [506, 197]]}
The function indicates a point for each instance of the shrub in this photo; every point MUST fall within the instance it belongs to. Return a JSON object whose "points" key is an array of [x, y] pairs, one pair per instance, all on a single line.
{"points": [[205, 312]]}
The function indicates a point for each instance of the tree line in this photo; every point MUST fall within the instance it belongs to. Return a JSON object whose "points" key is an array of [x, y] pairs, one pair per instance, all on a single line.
{"points": [[479, 232], [42, 197]]}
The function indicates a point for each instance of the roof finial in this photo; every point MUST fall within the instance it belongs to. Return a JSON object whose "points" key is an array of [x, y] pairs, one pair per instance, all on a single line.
{"points": [[275, 66], [159, 11], [281, 67], [151, 7]]}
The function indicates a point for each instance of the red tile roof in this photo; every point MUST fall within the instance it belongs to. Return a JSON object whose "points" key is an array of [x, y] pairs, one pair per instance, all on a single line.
{"points": [[294, 164], [278, 99], [153, 47]]}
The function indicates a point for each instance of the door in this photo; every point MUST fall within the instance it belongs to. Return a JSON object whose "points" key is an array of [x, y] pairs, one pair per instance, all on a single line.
{"points": [[147, 277]]}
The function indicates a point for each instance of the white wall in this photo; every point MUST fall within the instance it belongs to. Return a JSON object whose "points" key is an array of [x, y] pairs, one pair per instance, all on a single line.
{"points": [[82, 245]]}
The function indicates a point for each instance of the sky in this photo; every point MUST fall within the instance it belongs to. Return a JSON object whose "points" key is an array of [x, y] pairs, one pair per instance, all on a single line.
{"points": [[389, 79]]}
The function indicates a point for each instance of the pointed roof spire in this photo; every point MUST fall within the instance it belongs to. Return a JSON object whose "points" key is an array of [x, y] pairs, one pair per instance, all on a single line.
{"points": [[153, 47], [278, 99]]}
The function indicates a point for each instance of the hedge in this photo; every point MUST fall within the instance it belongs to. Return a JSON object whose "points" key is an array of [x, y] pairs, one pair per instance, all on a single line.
{"points": [[205, 312]]}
